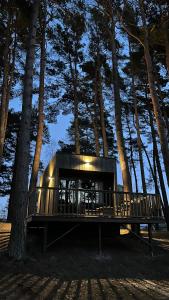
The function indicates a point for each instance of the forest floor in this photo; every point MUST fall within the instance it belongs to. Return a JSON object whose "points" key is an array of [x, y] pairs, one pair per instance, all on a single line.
{"points": [[75, 271]]}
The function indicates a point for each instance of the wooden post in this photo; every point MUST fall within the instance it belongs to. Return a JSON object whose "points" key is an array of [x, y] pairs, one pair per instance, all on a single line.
{"points": [[100, 240], [45, 230], [114, 193], [56, 208], [76, 195], [136, 228], [150, 238]]}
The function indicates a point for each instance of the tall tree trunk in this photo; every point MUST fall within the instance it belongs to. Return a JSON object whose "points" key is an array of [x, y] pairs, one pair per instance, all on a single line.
{"points": [[159, 169], [95, 130], [139, 145], [118, 112], [3, 104], [20, 198], [131, 152], [137, 125], [151, 168], [39, 139], [163, 107], [11, 77], [166, 41], [102, 111], [96, 134], [76, 119], [95, 105], [96, 137], [11, 208], [155, 169], [76, 106], [102, 121], [154, 97], [167, 51]]}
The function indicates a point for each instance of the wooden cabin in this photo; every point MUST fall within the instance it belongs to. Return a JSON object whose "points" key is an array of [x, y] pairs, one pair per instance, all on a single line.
{"points": [[71, 183], [81, 185], [80, 189]]}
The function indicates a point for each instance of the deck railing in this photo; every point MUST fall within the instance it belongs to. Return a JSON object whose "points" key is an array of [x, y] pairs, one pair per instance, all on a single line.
{"points": [[83, 202]]}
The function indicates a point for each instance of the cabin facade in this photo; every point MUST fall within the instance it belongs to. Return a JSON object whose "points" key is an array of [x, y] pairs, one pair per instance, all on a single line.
{"points": [[73, 183], [86, 186]]}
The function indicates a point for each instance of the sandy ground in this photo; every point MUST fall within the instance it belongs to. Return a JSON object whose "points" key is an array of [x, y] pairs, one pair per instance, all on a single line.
{"points": [[75, 271]]}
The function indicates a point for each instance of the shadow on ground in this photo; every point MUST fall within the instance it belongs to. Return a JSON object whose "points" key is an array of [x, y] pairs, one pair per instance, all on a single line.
{"points": [[75, 271]]}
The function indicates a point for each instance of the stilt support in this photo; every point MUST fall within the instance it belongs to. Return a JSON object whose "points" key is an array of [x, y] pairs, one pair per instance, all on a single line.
{"points": [[136, 228], [45, 231], [150, 238], [100, 239]]}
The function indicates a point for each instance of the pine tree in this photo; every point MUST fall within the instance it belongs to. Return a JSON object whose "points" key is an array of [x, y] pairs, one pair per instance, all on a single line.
{"points": [[67, 42], [39, 139], [151, 80], [18, 232]]}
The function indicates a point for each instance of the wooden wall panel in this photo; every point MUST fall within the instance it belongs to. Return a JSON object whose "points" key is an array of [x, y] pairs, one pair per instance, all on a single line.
{"points": [[75, 162]]}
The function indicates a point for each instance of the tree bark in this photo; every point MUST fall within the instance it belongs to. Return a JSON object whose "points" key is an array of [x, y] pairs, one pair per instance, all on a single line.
{"points": [[118, 112], [154, 98], [156, 106], [39, 139], [96, 137], [164, 112], [76, 106], [151, 168], [4, 99], [131, 153], [103, 127], [95, 131], [20, 197], [137, 125], [11, 208], [167, 51], [11, 77], [139, 145], [77, 135], [165, 25], [96, 113], [159, 169], [102, 110]]}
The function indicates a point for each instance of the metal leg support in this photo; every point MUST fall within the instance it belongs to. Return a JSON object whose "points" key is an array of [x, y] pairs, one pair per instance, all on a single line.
{"points": [[45, 230], [100, 240], [150, 238]]}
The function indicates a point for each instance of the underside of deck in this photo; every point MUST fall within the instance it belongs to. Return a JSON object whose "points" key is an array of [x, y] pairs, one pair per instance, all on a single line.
{"points": [[51, 229], [93, 219]]}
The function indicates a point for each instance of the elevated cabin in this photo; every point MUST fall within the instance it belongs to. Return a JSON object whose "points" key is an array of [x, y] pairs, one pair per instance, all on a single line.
{"points": [[80, 190], [86, 186], [73, 183]]}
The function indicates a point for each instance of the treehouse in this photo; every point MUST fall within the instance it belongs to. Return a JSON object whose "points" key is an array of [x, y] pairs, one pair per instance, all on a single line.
{"points": [[83, 189]]}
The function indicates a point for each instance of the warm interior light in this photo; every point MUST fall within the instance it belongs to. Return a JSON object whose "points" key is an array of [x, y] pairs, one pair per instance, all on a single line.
{"points": [[50, 178], [87, 164]]}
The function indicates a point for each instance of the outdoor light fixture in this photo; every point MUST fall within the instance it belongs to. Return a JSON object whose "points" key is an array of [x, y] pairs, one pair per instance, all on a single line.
{"points": [[51, 178], [87, 161]]}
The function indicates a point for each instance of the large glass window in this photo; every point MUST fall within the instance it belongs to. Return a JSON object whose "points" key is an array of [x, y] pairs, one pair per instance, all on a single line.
{"points": [[80, 190]]}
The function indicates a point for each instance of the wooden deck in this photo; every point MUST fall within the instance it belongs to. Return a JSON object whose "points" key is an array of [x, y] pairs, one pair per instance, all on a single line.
{"points": [[59, 211], [79, 205]]}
